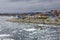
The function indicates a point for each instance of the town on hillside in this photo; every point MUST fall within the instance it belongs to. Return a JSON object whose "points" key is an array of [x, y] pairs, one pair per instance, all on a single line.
{"points": [[51, 17]]}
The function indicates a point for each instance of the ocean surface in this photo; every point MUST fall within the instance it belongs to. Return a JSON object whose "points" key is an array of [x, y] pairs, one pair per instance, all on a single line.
{"points": [[26, 31]]}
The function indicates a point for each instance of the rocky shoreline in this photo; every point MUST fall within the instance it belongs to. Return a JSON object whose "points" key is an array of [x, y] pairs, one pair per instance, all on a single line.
{"points": [[37, 21]]}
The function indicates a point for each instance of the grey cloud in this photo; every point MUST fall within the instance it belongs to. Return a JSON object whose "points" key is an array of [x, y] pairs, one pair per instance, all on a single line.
{"points": [[14, 0], [34, 0], [18, 6]]}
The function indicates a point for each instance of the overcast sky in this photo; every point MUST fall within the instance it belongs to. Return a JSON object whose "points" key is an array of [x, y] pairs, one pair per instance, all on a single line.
{"points": [[19, 6]]}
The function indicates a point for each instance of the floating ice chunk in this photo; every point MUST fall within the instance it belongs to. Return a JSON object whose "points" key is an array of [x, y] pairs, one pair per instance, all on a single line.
{"points": [[5, 35], [30, 29], [42, 25]]}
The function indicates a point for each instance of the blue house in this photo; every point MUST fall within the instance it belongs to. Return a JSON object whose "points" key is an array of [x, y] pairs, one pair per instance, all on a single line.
{"points": [[19, 17]]}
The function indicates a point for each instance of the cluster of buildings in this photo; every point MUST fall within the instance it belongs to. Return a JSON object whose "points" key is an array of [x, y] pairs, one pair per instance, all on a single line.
{"points": [[55, 12], [40, 15]]}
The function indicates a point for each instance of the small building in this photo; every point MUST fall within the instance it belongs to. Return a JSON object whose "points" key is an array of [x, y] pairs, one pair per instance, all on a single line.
{"points": [[41, 16], [55, 12], [19, 17]]}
